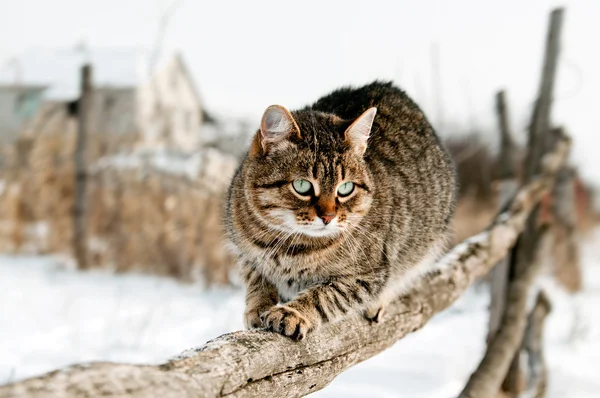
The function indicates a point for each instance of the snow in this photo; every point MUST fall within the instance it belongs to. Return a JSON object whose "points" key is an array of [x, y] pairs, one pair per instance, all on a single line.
{"points": [[51, 317]]}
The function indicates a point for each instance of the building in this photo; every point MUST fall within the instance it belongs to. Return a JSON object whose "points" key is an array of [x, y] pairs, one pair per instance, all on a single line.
{"points": [[170, 110], [162, 107], [19, 105]]}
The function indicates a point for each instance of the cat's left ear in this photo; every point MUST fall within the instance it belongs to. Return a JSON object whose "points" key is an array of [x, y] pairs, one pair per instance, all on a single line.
{"points": [[276, 128], [358, 133]]}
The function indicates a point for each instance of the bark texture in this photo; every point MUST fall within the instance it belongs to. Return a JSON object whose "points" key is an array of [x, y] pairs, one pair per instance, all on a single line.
{"points": [[508, 185], [532, 343], [261, 364]]}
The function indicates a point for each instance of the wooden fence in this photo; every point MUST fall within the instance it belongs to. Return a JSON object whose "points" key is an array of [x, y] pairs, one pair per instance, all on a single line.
{"points": [[261, 364]]}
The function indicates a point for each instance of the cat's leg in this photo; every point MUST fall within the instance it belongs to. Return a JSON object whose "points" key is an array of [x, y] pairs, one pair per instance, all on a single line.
{"points": [[260, 297], [319, 305], [375, 312]]}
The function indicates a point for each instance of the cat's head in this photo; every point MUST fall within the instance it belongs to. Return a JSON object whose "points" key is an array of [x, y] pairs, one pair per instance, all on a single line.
{"points": [[306, 171]]}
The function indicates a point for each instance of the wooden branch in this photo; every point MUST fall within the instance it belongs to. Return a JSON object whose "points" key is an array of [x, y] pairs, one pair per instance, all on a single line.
{"points": [[259, 364], [507, 188], [540, 142], [507, 156], [487, 379], [565, 251], [505, 345], [83, 126], [532, 344], [540, 124], [499, 274]]}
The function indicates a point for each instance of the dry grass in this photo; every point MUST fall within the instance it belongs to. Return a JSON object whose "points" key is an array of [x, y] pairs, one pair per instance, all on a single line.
{"points": [[471, 217], [141, 220], [159, 224]]}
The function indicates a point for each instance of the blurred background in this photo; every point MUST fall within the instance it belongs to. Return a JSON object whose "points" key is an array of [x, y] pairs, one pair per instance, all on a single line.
{"points": [[112, 179]]}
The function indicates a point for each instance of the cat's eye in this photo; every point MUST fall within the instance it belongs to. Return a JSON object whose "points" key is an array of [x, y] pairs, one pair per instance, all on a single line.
{"points": [[303, 187], [345, 189]]}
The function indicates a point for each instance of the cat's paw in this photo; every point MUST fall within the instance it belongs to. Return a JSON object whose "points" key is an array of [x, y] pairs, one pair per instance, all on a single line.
{"points": [[375, 314], [252, 318], [286, 321]]}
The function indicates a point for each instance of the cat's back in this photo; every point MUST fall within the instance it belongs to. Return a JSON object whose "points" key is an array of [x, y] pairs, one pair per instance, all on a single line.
{"points": [[394, 106], [401, 134]]}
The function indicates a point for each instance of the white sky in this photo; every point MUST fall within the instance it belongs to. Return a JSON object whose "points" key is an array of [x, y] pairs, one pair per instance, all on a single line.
{"points": [[246, 55]]}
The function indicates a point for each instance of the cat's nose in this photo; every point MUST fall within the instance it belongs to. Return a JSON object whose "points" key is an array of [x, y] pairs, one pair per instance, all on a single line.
{"points": [[327, 218]]}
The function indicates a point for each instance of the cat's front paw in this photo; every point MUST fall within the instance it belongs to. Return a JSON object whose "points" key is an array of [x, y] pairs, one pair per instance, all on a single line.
{"points": [[252, 318], [375, 314], [286, 321]]}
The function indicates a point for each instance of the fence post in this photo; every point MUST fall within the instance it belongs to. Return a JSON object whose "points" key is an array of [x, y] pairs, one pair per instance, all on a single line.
{"points": [[540, 140], [533, 344], [539, 143], [506, 190], [83, 124], [564, 216]]}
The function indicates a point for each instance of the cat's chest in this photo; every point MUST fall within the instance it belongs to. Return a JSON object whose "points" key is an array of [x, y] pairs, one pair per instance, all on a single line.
{"points": [[292, 276]]}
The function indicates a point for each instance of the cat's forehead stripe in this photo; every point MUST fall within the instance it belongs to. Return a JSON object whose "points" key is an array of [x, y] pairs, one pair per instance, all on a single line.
{"points": [[315, 171], [328, 171]]}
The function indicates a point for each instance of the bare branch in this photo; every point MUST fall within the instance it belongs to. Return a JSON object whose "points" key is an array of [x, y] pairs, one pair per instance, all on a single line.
{"points": [[532, 343], [487, 379], [507, 187]]}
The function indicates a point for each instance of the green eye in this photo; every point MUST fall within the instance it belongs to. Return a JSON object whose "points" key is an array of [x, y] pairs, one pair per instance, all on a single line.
{"points": [[303, 187], [346, 189]]}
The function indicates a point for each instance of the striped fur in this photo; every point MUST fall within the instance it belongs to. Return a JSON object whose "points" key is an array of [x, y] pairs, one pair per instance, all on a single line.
{"points": [[301, 271]]}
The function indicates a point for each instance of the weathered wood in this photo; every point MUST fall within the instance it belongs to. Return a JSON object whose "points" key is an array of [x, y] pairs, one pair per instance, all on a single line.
{"points": [[507, 188], [532, 344], [540, 140], [261, 364], [507, 158], [505, 345], [83, 116], [565, 252]]}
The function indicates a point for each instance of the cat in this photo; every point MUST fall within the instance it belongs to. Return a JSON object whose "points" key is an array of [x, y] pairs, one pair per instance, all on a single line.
{"points": [[338, 207]]}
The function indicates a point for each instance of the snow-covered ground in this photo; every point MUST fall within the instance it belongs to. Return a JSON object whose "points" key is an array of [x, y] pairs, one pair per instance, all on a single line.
{"points": [[51, 317]]}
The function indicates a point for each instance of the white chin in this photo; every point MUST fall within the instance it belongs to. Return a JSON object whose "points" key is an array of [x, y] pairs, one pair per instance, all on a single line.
{"points": [[318, 232]]}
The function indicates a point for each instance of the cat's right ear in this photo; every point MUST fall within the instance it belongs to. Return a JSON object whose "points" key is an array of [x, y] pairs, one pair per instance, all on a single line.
{"points": [[359, 132], [276, 128]]}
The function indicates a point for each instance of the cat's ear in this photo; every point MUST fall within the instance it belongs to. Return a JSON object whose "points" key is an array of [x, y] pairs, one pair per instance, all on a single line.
{"points": [[276, 128], [358, 133]]}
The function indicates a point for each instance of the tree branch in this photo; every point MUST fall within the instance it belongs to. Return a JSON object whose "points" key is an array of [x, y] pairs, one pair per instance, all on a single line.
{"points": [[538, 374], [257, 363], [487, 378]]}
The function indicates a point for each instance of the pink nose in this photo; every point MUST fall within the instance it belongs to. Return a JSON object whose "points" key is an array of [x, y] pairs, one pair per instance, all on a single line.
{"points": [[327, 218]]}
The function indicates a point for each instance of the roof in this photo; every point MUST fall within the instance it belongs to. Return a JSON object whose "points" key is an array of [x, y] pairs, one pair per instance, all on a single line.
{"points": [[59, 69], [23, 87]]}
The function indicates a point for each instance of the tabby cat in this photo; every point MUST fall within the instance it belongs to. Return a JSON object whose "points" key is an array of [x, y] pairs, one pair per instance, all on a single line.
{"points": [[338, 207]]}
